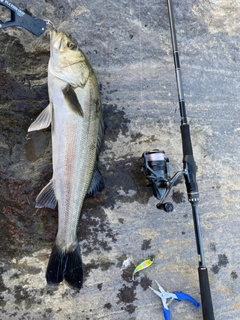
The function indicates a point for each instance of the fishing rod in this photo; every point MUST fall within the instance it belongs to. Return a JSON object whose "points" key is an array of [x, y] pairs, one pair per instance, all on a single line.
{"points": [[157, 170], [190, 177]]}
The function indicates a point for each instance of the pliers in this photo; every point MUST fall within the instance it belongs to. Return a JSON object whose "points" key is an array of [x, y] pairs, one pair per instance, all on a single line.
{"points": [[168, 297], [20, 18]]}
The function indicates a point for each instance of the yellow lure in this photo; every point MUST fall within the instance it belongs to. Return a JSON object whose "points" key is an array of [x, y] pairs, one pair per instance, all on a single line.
{"points": [[143, 265]]}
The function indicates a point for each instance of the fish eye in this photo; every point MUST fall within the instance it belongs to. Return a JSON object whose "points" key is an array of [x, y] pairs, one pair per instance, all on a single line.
{"points": [[71, 45]]}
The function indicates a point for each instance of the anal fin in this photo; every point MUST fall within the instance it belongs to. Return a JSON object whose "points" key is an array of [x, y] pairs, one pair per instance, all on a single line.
{"points": [[46, 197], [43, 120], [97, 183]]}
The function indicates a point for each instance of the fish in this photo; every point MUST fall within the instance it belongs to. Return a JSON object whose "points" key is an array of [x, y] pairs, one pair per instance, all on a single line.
{"points": [[77, 129]]}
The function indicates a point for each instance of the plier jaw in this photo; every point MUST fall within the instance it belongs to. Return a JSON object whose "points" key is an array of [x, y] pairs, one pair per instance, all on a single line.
{"points": [[166, 297], [20, 18]]}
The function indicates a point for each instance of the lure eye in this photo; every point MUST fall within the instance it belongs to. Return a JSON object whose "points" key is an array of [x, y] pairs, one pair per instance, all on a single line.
{"points": [[71, 45]]}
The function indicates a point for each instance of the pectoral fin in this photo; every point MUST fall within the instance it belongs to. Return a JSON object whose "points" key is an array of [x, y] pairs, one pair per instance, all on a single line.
{"points": [[72, 100], [46, 197], [43, 120]]}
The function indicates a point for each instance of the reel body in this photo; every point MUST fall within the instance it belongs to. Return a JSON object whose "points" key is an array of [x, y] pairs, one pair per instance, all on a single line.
{"points": [[156, 168]]}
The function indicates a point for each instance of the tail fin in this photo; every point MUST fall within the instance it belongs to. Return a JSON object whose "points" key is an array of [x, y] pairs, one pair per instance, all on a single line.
{"points": [[65, 265]]}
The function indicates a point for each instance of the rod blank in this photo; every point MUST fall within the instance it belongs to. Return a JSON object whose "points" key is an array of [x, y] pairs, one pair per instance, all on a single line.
{"points": [[177, 65]]}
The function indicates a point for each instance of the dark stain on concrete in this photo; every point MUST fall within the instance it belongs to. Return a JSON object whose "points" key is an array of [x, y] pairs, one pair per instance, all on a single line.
{"points": [[178, 197], [127, 274], [103, 265], [213, 246], [23, 295], [121, 220], [92, 222], [146, 244], [126, 294], [136, 137], [115, 122], [215, 268], [122, 174], [23, 226], [99, 286], [130, 308], [222, 262], [28, 297], [108, 305], [145, 282], [234, 275], [125, 175]]}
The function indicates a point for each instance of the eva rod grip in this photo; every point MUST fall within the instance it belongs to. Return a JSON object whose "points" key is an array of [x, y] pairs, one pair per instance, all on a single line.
{"points": [[207, 307], [186, 140], [189, 164]]}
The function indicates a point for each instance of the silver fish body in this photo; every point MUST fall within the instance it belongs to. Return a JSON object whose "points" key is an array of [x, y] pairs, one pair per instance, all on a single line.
{"points": [[75, 115]]}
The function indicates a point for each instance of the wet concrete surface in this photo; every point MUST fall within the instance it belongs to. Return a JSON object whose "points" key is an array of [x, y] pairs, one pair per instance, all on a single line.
{"points": [[128, 45]]}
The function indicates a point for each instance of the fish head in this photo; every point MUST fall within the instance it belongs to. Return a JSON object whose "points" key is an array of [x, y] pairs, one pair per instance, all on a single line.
{"points": [[64, 51]]}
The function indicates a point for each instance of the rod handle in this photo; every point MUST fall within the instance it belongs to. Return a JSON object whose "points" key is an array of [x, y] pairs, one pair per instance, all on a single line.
{"points": [[207, 307], [186, 140], [189, 164]]}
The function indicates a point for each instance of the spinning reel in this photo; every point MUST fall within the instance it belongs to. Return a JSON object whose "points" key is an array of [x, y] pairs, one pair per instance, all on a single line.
{"points": [[156, 168]]}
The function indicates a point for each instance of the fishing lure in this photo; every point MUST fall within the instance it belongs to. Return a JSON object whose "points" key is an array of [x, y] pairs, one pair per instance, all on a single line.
{"points": [[143, 265]]}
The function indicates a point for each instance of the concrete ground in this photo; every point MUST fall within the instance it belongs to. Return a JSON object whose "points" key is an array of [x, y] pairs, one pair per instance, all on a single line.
{"points": [[128, 45]]}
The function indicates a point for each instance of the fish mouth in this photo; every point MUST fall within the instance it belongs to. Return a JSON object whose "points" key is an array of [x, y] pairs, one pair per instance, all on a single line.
{"points": [[57, 39], [53, 33]]}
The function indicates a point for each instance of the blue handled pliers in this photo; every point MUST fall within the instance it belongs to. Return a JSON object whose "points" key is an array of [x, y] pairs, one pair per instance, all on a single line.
{"points": [[168, 297]]}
